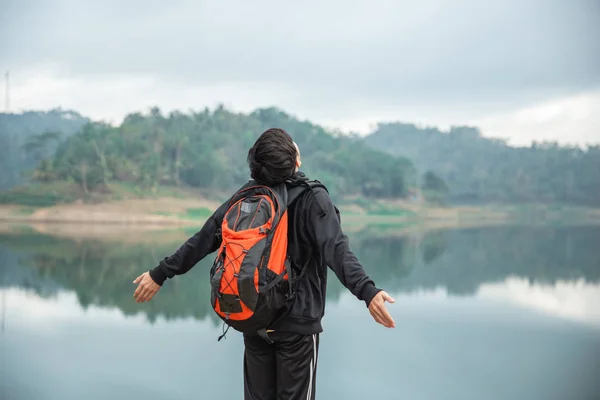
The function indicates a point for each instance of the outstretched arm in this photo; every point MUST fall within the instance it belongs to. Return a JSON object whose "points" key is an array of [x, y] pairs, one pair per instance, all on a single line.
{"points": [[193, 250], [189, 254], [335, 248]]}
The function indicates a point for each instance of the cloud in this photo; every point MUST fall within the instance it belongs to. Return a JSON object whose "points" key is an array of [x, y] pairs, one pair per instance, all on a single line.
{"points": [[570, 120], [435, 61], [110, 98]]}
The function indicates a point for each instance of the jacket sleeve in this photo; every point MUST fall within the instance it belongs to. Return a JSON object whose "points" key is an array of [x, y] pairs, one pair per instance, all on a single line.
{"points": [[193, 250], [325, 228]]}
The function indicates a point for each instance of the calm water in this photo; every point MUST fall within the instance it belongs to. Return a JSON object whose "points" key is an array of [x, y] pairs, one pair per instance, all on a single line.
{"points": [[501, 313]]}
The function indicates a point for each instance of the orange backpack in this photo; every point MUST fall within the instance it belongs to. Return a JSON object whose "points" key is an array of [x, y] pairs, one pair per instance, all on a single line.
{"points": [[252, 281]]}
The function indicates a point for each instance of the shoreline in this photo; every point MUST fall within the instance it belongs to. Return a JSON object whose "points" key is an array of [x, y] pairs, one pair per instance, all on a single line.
{"points": [[136, 220], [155, 233]]}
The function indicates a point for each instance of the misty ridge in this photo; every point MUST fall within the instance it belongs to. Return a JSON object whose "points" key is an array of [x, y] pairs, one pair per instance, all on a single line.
{"points": [[207, 150]]}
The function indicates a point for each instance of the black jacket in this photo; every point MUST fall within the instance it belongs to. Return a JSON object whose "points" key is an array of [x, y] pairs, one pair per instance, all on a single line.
{"points": [[315, 237]]}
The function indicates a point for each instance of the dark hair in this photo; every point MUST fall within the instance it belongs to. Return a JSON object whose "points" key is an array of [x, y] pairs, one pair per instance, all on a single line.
{"points": [[272, 159]]}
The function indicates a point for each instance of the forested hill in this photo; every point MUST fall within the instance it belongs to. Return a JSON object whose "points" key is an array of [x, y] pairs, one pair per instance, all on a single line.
{"points": [[208, 149], [477, 169], [20, 136]]}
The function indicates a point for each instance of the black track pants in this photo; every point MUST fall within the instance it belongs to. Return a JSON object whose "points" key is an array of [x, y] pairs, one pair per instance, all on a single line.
{"points": [[285, 370]]}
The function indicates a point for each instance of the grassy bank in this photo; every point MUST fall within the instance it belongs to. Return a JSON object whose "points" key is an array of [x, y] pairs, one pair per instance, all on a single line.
{"points": [[63, 208], [65, 202]]}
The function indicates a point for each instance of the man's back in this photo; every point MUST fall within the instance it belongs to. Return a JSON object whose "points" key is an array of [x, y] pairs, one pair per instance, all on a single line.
{"points": [[316, 241]]}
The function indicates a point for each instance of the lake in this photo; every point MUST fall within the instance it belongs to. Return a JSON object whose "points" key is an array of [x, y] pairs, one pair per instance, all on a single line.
{"points": [[489, 313]]}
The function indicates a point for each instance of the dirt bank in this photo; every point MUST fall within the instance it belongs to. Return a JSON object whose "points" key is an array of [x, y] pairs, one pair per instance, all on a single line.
{"points": [[164, 219]]}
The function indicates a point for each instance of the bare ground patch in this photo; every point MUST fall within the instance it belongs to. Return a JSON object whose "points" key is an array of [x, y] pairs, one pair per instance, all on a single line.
{"points": [[131, 211]]}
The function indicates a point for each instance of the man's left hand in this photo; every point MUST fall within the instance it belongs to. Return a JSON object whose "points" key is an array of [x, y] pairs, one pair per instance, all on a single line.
{"points": [[147, 288]]}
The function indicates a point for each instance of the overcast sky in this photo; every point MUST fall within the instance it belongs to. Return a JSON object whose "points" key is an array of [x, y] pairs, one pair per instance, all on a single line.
{"points": [[519, 69]]}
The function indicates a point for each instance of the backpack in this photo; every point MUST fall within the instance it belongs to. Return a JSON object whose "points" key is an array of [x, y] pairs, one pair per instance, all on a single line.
{"points": [[252, 279]]}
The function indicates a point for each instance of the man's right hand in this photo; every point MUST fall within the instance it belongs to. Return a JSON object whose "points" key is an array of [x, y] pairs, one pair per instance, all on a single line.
{"points": [[378, 311]]}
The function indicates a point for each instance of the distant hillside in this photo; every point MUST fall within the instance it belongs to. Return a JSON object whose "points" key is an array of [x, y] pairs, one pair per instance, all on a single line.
{"points": [[477, 169], [208, 150], [23, 143]]}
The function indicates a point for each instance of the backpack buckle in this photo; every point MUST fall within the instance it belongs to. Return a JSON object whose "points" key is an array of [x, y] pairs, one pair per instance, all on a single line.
{"points": [[290, 296]]}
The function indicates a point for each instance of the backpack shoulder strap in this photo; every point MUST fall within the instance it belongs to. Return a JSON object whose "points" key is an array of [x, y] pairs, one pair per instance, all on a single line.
{"points": [[295, 191]]}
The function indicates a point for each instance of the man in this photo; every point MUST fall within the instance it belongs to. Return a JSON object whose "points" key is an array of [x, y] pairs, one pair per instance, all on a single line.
{"points": [[285, 369]]}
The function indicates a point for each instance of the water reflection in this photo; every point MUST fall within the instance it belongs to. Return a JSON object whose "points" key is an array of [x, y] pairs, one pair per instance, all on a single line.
{"points": [[461, 262], [575, 300], [503, 313]]}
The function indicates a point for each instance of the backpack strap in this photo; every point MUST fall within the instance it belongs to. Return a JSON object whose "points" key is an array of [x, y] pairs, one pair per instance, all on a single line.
{"points": [[302, 272], [293, 194], [295, 191], [290, 297]]}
